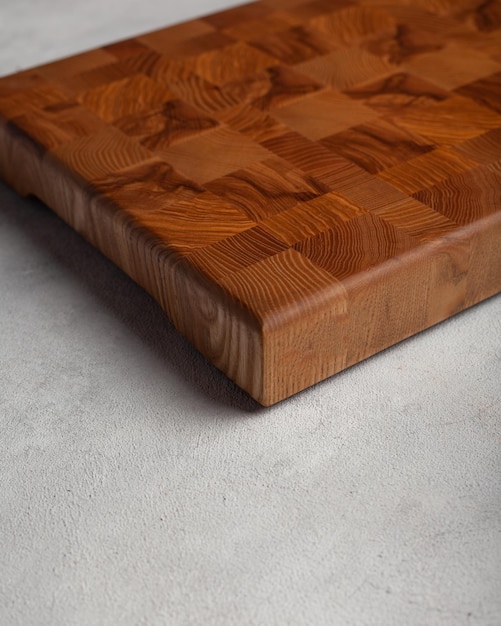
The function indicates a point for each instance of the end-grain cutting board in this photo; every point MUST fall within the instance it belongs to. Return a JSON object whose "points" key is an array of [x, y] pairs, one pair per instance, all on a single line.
{"points": [[300, 184]]}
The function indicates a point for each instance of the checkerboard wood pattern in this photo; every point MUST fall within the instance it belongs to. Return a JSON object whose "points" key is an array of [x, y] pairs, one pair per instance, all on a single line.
{"points": [[300, 184]]}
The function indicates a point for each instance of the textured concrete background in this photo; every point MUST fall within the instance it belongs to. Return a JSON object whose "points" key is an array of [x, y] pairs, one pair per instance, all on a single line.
{"points": [[140, 487]]}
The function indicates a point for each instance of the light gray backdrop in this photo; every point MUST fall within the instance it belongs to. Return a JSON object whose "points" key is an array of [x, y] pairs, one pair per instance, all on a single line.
{"points": [[139, 486]]}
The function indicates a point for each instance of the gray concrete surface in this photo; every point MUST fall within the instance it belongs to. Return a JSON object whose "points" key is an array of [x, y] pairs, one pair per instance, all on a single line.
{"points": [[139, 486]]}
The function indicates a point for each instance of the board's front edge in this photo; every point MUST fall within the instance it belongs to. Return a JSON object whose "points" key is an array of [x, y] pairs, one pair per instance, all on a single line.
{"points": [[221, 329]]}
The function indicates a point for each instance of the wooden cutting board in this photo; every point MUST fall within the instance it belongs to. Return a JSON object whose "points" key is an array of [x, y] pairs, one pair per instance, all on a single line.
{"points": [[299, 184]]}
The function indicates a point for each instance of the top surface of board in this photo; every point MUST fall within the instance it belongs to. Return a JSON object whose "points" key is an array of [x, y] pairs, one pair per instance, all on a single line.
{"points": [[283, 148]]}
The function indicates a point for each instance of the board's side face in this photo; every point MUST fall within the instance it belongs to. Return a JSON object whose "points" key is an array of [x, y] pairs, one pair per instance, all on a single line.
{"points": [[289, 149]]}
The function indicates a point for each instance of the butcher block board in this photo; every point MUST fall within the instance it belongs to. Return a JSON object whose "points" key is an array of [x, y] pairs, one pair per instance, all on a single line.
{"points": [[299, 184]]}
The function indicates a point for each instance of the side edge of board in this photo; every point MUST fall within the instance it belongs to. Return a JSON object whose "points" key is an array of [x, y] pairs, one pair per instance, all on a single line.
{"points": [[383, 306], [221, 329]]}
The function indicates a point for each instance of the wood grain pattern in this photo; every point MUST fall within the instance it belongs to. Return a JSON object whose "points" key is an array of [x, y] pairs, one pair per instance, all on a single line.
{"points": [[299, 183]]}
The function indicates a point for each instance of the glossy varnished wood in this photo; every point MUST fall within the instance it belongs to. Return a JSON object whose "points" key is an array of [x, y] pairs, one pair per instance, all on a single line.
{"points": [[299, 184]]}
